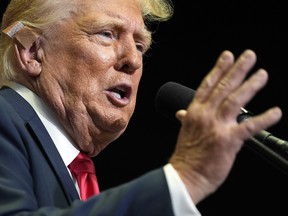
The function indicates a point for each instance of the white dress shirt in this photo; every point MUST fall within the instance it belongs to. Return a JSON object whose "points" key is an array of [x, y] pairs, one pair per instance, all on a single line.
{"points": [[181, 201]]}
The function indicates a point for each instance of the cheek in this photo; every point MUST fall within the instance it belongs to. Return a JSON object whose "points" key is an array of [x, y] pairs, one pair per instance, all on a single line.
{"points": [[86, 66], [104, 56], [81, 55], [92, 54]]}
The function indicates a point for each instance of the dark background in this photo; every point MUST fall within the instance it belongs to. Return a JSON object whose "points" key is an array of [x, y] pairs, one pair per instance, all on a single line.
{"points": [[184, 51]]}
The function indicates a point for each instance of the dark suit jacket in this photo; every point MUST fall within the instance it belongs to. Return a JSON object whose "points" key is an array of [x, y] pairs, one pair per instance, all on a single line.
{"points": [[33, 177]]}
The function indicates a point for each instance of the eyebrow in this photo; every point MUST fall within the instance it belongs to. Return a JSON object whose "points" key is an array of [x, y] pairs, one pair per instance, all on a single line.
{"points": [[116, 21]]}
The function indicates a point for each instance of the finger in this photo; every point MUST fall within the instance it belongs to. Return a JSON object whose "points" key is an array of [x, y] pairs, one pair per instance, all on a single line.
{"points": [[223, 64], [230, 79], [233, 79], [253, 125], [180, 115], [239, 98]]}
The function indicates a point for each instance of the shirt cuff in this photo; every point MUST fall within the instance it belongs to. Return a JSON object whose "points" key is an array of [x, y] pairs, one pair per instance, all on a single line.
{"points": [[182, 203]]}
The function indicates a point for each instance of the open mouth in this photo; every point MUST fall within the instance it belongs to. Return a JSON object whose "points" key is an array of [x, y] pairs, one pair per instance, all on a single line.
{"points": [[120, 95]]}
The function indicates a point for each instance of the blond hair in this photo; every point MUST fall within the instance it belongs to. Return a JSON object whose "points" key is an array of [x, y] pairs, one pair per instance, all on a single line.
{"points": [[41, 14]]}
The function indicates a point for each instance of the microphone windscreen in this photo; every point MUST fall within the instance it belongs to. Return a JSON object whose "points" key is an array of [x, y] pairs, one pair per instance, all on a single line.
{"points": [[172, 97]]}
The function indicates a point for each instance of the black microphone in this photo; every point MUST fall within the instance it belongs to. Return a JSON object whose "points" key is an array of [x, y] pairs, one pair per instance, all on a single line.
{"points": [[173, 96]]}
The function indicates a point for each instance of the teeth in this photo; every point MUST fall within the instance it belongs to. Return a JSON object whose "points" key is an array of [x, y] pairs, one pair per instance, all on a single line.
{"points": [[117, 95]]}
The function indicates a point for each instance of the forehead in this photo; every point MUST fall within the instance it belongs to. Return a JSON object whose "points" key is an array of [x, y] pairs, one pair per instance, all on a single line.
{"points": [[92, 15], [126, 13], [122, 8]]}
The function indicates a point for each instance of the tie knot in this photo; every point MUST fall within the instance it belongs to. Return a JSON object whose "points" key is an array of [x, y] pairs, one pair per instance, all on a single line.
{"points": [[82, 169], [82, 164]]}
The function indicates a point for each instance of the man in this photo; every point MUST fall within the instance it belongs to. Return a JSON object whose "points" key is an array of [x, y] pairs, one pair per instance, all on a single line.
{"points": [[70, 74]]}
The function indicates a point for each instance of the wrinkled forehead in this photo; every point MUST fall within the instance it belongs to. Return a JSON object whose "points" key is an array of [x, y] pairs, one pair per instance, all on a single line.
{"points": [[129, 10], [43, 11]]}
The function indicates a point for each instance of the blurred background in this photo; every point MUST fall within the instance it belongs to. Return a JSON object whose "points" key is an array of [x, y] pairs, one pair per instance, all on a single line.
{"points": [[185, 49]]}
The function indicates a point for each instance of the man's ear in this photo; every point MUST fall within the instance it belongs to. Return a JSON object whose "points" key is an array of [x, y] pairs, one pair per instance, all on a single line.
{"points": [[26, 48]]}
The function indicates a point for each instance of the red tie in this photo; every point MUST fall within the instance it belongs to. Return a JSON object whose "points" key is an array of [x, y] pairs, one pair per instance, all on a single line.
{"points": [[82, 168]]}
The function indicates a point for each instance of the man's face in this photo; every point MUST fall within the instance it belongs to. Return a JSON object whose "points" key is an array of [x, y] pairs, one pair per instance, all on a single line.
{"points": [[91, 68]]}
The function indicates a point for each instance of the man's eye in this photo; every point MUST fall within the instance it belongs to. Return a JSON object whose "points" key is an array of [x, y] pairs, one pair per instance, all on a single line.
{"points": [[140, 47], [106, 34]]}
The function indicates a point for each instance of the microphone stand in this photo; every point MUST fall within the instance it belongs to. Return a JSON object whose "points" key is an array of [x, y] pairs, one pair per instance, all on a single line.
{"points": [[273, 157], [270, 148]]}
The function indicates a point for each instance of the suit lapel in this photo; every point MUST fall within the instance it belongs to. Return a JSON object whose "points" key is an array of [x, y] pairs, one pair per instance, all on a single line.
{"points": [[42, 138]]}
